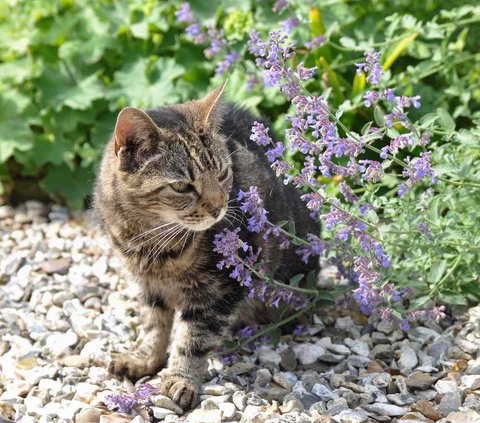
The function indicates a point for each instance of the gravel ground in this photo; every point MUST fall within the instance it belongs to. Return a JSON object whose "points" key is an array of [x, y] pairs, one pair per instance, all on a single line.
{"points": [[64, 307]]}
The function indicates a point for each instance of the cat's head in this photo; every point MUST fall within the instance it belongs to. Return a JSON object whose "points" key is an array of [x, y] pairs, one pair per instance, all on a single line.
{"points": [[172, 163]]}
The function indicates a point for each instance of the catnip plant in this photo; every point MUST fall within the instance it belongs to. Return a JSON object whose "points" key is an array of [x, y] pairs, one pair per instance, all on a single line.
{"points": [[378, 192]]}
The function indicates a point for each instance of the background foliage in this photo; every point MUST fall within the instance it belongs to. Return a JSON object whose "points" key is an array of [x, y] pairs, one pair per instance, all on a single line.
{"points": [[67, 67]]}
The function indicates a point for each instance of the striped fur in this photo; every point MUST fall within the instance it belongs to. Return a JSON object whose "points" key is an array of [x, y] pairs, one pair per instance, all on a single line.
{"points": [[165, 237]]}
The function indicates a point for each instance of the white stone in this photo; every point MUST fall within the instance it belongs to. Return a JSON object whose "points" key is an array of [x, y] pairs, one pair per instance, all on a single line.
{"points": [[443, 386], [204, 416], [163, 401], [228, 411], [161, 413], [267, 356], [308, 353], [59, 343]]}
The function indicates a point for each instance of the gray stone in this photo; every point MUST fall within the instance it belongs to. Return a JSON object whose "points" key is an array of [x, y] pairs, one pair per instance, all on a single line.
{"points": [[344, 323], [382, 352], [386, 327], [268, 357], [323, 392], [331, 358], [450, 402], [336, 406], [408, 358], [361, 348], [402, 399], [422, 335], [387, 409], [285, 379], [353, 416], [263, 377], [418, 380], [308, 353], [338, 349], [288, 360], [358, 361], [472, 402]]}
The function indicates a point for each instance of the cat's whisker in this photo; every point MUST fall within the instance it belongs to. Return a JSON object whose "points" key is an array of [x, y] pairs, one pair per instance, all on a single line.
{"points": [[150, 230], [153, 237], [164, 242]]}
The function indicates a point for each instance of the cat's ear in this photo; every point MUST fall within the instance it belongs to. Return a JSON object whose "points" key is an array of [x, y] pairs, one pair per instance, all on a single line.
{"points": [[133, 125], [209, 103]]}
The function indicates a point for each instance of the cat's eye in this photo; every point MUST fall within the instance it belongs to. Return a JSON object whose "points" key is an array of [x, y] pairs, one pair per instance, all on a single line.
{"points": [[181, 187], [223, 175]]}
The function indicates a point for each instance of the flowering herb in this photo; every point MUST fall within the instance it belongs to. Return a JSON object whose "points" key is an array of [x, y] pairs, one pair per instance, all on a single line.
{"points": [[360, 184]]}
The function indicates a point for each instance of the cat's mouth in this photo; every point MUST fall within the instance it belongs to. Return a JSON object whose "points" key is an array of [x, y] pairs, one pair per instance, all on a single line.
{"points": [[205, 223]]}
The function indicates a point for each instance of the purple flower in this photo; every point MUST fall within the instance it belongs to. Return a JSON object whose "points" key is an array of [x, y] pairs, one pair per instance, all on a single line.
{"points": [[372, 170], [290, 23], [304, 73], [184, 14], [252, 80], [252, 204], [280, 167], [348, 193], [316, 42], [195, 31], [229, 359], [246, 332], [260, 134], [300, 330], [280, 6], [389, 95], [418, 169], [371, 67], [275, 152], [123, 402], [316, 247], [404, 101], [227, 63], [370, 98]]}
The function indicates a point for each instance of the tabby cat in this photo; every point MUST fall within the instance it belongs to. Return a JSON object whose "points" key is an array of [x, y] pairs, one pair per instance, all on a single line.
{"points": [[167, 181]]}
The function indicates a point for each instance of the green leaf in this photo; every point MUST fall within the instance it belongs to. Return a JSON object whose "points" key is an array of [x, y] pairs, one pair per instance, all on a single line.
{"points": [[436, 271], [15, 132], [135, 88], [445, 120], [379, 118], [453, 298], [419, 301], [275, 337], [294, 281]]}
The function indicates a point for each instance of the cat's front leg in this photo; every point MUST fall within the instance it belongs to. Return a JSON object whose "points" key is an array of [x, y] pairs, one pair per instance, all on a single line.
{"points": [[151, 354], [196, 334]]}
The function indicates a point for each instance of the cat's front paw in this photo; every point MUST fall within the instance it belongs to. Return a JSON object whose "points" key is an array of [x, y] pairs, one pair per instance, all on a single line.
{"points": [[131, 366], [182, 391]]}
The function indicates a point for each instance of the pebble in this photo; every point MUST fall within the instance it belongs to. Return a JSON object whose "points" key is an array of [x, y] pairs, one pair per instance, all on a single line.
{"points": [[450, 402], [387, 409], [408, 358], [418, 380], [161, 413], [308, 353], [65, 306]]}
